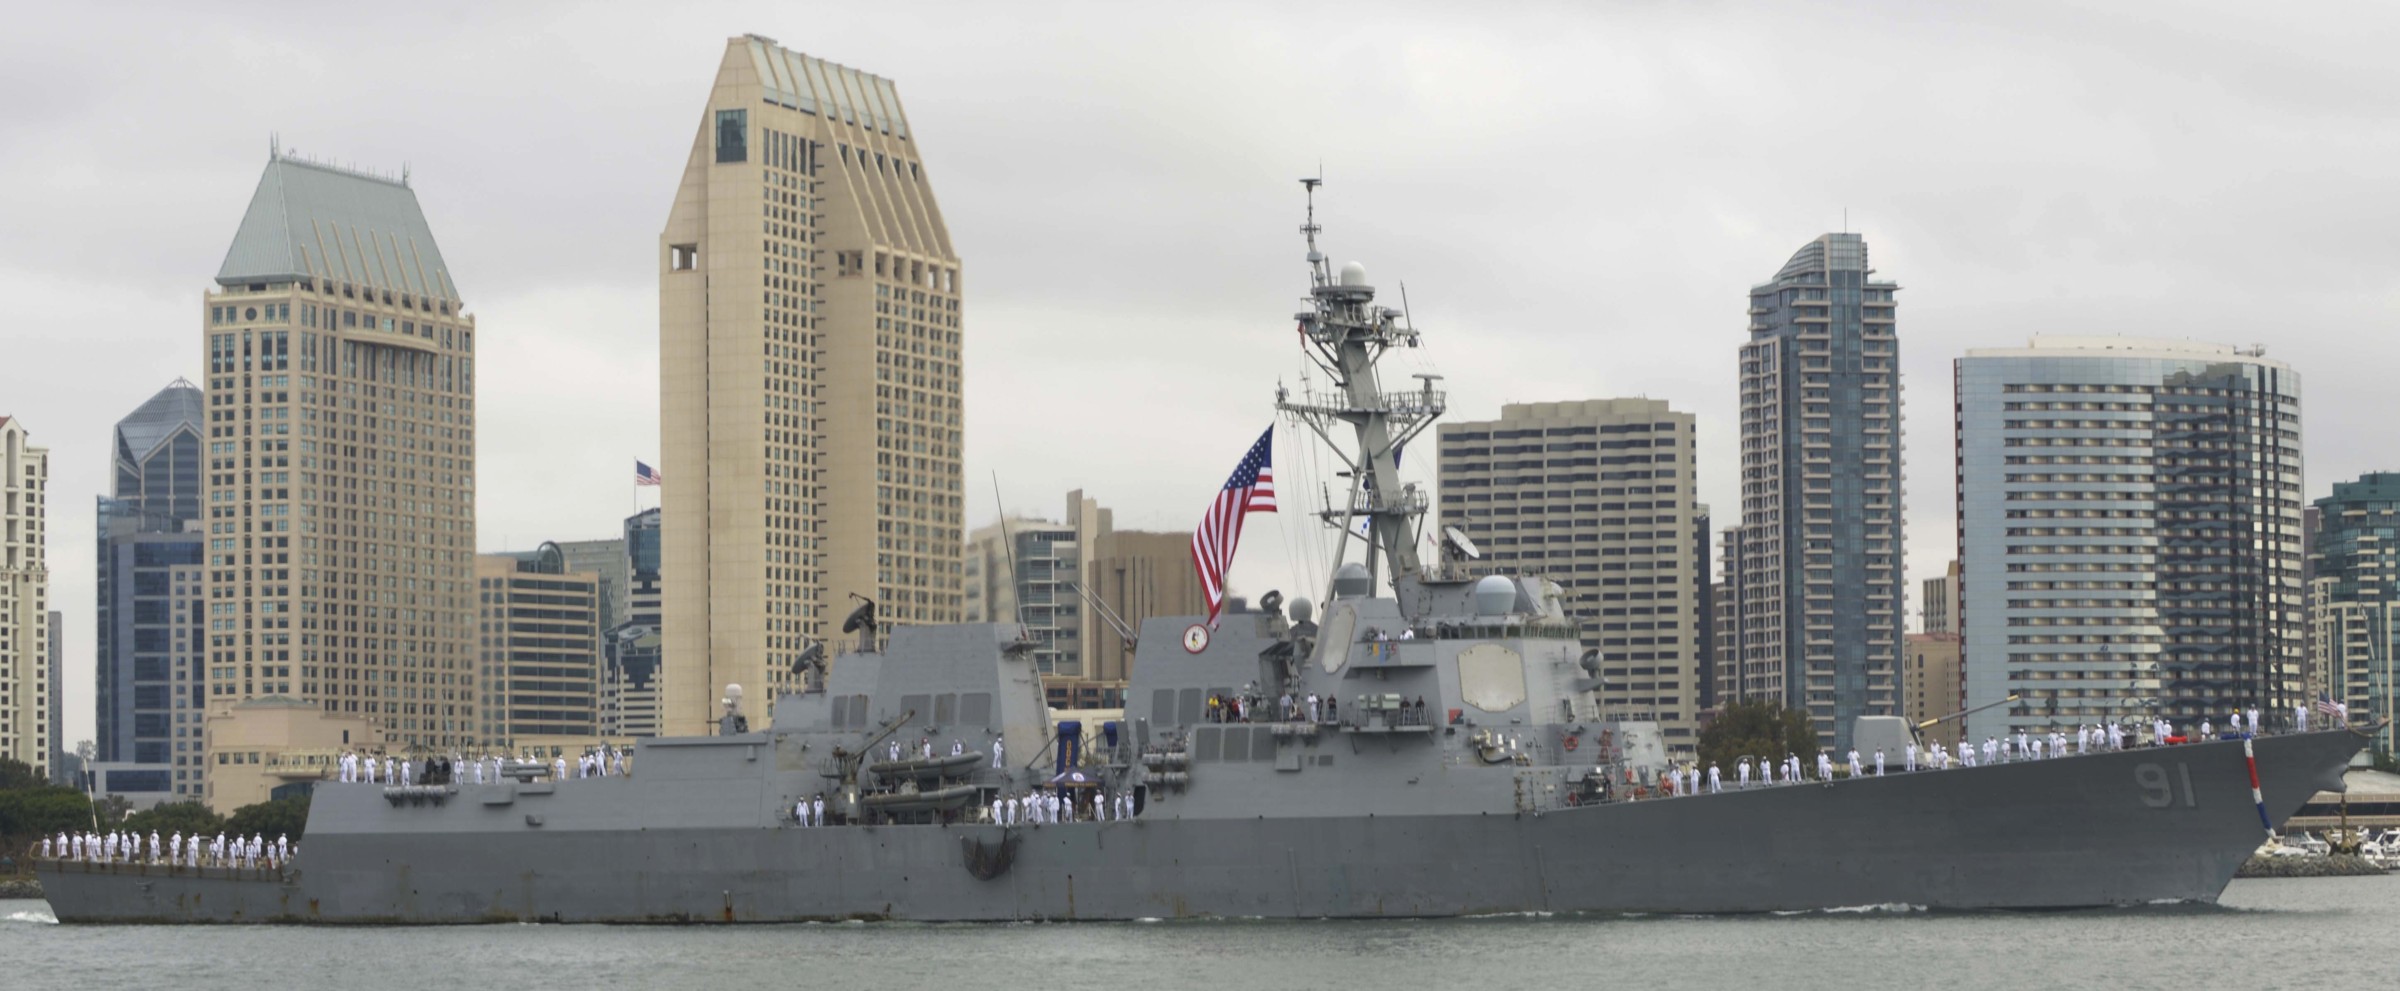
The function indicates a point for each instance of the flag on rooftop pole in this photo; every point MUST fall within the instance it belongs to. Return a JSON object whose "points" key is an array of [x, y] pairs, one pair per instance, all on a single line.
{"points": [[645, 475], [1250, 490]]}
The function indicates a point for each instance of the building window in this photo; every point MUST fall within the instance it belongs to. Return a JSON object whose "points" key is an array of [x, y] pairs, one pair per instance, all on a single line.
{"points": [[683, 257], [733, 133]]}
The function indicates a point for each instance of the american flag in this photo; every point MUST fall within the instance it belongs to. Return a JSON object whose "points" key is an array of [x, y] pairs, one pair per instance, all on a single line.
{"points": [[1250, 490], [2326, 705], [645, 475]]}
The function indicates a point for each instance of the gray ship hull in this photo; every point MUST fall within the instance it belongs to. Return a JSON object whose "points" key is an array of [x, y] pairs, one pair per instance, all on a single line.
{"points": [[2139, 826]]}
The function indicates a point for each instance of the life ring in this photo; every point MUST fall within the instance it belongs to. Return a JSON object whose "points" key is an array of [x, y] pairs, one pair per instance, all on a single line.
{"points": [[1571, 744], [1574, 798]]}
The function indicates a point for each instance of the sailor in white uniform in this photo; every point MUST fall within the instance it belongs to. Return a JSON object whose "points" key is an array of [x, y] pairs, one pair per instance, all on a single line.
{"points": [[2208, 730], [1716, 780], [2300, 717], [997, 744], [1741, 774], [1857, 767], [957, 747], [2255, 726]]}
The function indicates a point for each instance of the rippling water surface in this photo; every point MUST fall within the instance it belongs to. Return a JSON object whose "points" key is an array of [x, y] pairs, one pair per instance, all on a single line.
{"points": [[2318, 933]]}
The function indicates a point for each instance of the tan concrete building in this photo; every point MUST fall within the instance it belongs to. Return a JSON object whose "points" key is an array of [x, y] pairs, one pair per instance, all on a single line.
{"points": [[1598, 496], [1068, 580], [26, 685], [1929, 679], [1137, 574], [1939, 603], [540, 649], [340, 487], [258, 745], [1022, 570], [809, 378]]}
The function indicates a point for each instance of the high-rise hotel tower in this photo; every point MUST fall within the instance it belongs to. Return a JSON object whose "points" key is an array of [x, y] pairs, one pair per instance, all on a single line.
{"points": [[340, 461], [26, 629], [809, 379], [1814, 568]]}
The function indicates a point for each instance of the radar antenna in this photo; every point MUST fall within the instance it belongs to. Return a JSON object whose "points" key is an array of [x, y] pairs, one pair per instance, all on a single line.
{"points": [[1345, 334]]}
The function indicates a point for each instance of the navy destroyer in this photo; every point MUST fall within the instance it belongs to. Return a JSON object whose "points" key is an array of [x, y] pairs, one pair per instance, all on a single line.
{"points": [[1453, 762]]}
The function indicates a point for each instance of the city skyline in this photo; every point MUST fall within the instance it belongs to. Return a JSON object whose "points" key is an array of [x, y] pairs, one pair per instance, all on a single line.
{"points": [[2046, 207]]}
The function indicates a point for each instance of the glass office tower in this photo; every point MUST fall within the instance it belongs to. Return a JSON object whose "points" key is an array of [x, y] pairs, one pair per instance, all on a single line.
{"points": [[1814, 567], [2129, 533]]}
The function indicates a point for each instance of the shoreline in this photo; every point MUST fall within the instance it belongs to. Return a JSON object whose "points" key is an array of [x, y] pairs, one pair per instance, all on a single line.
{"points": [[2336, 865]]}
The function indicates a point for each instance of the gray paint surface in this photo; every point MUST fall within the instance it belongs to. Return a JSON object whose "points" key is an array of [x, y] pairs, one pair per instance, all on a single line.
{"points": [[1361, 823]]}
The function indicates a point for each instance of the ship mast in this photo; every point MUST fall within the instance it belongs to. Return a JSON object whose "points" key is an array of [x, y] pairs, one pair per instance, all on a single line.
{"points": [[1346, 335]]}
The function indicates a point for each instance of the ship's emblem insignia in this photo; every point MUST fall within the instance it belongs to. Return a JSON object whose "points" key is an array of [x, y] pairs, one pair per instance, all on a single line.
{"points": [[1195, 639]]}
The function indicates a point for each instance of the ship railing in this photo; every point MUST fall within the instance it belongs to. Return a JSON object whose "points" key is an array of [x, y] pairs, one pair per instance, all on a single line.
{"points": [[1375, 716], [1500, 631]]}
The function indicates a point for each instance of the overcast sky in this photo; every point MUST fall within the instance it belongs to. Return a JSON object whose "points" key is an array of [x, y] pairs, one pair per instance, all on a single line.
{"points": [[1577, 196]]}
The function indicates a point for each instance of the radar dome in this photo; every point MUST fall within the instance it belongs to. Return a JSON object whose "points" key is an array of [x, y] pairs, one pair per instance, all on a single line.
{"points": [[1354, 274], [1352, 581], [1302, 610], [1495, 595]]}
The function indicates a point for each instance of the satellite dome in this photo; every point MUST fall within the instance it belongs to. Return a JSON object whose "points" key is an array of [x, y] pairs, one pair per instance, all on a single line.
{"points": [[1354, 274], [1302, 610], [1352, 581], [1495, 595]]}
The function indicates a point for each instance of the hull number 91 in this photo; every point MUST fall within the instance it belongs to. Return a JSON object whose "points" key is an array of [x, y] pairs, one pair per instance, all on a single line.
{"points": [[2158, 788]]}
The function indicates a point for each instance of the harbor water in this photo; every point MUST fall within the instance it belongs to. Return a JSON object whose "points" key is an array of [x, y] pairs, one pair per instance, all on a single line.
{"points": [[2265, 934]]}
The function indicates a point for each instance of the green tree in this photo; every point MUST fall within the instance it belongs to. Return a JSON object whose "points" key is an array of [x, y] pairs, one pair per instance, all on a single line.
{"points": [[170, 818], [284, 817], [111, 810], [1757, 729], [32, 813], [16, 774]]}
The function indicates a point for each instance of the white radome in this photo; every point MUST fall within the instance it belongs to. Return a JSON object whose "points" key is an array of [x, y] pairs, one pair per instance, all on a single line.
{"points": [[1354, 274]]}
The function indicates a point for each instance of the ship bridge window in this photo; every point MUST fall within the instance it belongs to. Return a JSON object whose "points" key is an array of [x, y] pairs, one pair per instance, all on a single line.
{"points": [[975, 709]]}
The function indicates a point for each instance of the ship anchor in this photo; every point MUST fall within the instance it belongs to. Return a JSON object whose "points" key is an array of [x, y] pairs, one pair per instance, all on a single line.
{"points": [[988, 862]]}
